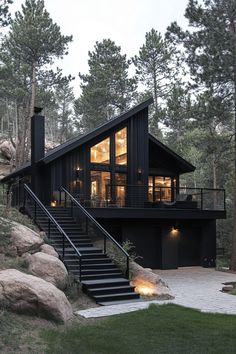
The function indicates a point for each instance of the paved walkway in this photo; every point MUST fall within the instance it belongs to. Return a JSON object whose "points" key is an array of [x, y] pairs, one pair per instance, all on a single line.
{"points": [[193, 287]]}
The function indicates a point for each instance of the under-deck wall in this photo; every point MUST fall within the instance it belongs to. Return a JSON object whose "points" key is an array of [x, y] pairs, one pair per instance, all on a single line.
{"points": [[191, 244]]}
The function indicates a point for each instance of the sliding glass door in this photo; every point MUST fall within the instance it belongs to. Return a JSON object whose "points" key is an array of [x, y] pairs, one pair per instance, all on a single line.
{"points": [[161, 189]]}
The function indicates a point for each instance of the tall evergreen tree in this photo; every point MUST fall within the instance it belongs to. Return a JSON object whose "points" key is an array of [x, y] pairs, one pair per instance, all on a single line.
{"points": [[65, 100], [211, 54], [33, 42], [4, 12], [155, 69], [107, 89]]}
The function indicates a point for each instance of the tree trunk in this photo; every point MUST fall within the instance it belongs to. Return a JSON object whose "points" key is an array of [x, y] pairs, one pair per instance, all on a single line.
{"points": [[30, 113], [233, 254], [214, 171]]}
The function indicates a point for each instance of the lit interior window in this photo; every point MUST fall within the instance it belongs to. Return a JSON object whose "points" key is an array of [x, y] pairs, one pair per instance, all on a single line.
{"points": [[162, 188], [120, 179], [100, 153], [100, 185], [150, 189], [121, 147]]}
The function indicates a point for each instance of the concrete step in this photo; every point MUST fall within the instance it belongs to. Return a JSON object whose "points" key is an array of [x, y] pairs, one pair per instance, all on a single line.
{"points": [[111, 290], [116, 297], [119, 302]]}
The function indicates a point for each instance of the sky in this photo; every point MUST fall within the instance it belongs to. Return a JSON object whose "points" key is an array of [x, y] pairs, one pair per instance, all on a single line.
{"points": [[124, 21]]}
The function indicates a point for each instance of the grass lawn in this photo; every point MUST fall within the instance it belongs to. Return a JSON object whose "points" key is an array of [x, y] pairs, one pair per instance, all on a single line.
{"points": [[159, 329]]}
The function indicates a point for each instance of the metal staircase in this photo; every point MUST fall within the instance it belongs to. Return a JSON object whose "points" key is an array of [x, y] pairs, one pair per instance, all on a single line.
{"points": [[70, 229]]}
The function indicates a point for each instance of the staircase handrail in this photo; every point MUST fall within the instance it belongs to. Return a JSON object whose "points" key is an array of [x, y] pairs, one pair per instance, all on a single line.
{"points": [[40, 204], [99, 226]]}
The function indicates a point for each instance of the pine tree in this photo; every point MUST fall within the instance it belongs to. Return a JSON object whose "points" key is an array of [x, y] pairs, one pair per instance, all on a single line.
{"points": [[4, 12], [65, 99], [107, 89], [33, 42], [155, 68], [211, 54]]}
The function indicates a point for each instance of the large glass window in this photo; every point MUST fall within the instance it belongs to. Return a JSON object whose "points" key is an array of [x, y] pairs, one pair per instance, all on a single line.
{"points": [[100, 186], [150, 189], [100, 153], [121, 147], [161, 189], [120, 182]]}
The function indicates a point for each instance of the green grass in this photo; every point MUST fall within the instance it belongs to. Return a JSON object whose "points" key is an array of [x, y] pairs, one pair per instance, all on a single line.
{"points": [[20, 334], [159, 329]]}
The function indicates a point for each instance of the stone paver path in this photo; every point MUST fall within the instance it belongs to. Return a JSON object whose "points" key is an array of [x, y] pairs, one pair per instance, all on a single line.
{"points": [[199, 288], [193, 287]]}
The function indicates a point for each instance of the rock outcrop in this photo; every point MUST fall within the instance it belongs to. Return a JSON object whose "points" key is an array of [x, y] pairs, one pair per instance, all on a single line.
{"points": [[24, 239], [28, 294], [146, 282], [48, 268], [7, 150], [49, 250]]}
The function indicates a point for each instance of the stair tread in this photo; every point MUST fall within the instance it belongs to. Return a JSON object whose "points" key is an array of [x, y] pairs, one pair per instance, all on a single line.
{"points": [[92, 259], [101, 274], [91, 271], [120, 287], [101, 281], [83, 249]]}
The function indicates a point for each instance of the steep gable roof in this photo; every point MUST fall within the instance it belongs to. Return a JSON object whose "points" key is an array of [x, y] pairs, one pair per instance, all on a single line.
{"points": [[72, 144], [183, 164], [78, 141]]}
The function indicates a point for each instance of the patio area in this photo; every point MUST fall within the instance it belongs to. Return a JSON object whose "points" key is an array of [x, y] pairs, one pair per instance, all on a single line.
{"points": [[199, 288], [193, 287]]}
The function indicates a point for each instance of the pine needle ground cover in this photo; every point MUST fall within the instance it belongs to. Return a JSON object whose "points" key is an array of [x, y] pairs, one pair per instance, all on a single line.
{"points": [[159, 329]]}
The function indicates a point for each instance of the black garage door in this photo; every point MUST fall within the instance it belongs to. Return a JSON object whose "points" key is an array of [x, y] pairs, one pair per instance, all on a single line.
{"points": [[189, 247]]}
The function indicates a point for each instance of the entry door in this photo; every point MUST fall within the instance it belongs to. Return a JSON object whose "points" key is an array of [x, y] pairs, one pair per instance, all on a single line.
{"points": [[190, 247]]}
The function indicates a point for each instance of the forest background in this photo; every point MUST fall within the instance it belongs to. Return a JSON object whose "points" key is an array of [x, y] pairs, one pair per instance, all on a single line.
{"points": [[191, 74]]}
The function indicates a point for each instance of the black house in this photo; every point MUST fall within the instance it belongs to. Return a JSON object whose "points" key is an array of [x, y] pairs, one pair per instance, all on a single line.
{"points": [[129, 182]]}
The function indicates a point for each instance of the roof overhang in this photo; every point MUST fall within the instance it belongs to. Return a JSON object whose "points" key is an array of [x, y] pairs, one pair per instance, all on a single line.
{"points": [[184, 165]]}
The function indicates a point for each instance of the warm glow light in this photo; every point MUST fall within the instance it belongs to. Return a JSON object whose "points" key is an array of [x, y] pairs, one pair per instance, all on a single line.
{"points": [[174, 231], [54, 203], [144, 287], [144, 290], [100, 153]]}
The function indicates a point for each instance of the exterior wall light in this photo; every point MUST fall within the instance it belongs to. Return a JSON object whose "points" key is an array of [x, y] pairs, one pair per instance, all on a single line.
{"points": [[174, 230], [78, 174], [139, 174], [53, 203]]}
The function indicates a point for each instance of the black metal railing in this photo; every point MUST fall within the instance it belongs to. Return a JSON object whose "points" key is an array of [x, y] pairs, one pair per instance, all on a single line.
{"points": [[98, 234], [32, 205], [149, 196]]}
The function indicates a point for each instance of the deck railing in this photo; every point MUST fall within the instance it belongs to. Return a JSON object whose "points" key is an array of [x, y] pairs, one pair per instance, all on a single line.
{"points": [[140, 196]]}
